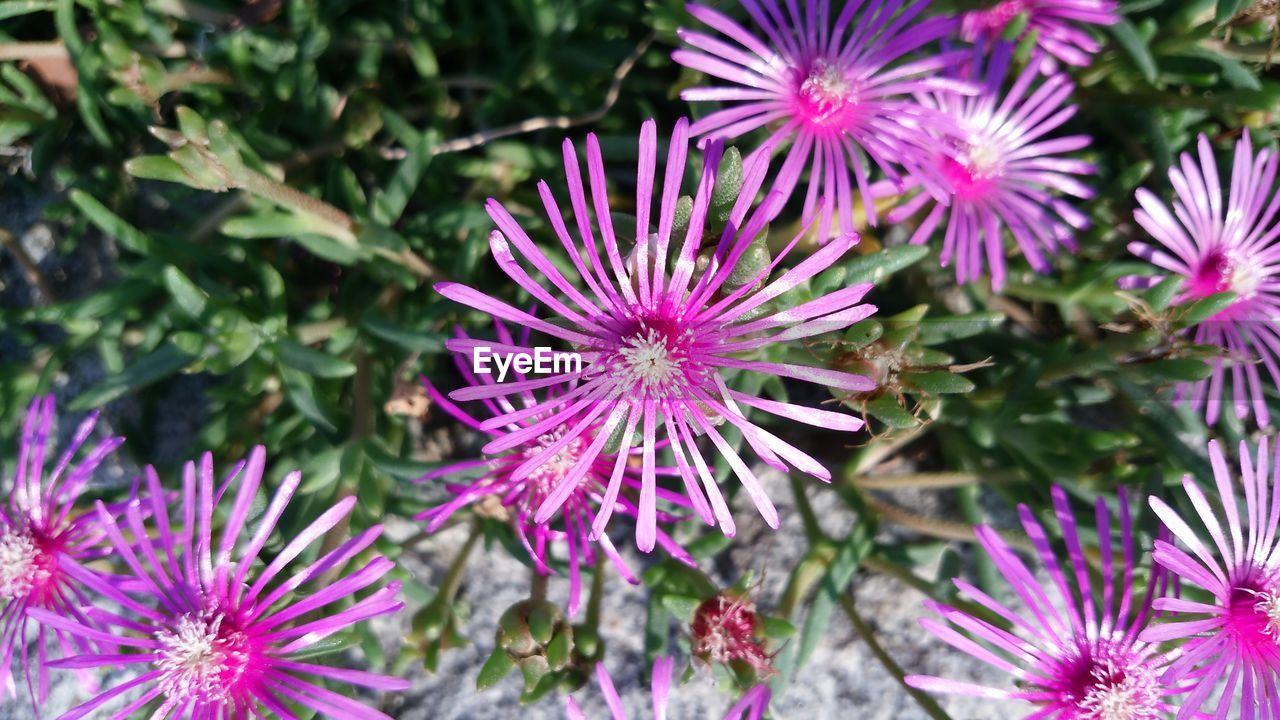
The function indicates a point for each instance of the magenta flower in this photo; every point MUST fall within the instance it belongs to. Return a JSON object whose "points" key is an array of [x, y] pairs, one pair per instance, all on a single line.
{"points": [[1218, 248], [209, 640], [751, 706], [1053, 21], [521, 498], [1073, 654], [1231, 642], [41, 531], [1001, 171], [840, 92], [656, 334]]}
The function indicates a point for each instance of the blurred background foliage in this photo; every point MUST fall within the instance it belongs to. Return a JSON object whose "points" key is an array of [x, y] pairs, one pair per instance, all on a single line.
{"points": [[249, 201]]}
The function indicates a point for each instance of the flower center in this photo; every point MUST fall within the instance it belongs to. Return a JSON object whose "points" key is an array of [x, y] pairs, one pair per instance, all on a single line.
{"points": [[24, 566], [651, 358], [203, 655], [1224, 271], [972, 171], [545, 478], [826, 95], [1253, 615], [1268, 606], [1121, 691]]}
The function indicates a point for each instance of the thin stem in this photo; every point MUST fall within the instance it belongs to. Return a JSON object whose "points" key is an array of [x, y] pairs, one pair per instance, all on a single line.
{"points": [[592, 619], [933, 481], [926, 703], [537, 585], [936, 527], [453, 576], [812, 530]]}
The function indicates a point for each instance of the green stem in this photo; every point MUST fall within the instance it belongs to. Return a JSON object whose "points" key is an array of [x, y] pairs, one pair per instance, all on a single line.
{"points": [[453, 576], [926, 703], [812, 530]]}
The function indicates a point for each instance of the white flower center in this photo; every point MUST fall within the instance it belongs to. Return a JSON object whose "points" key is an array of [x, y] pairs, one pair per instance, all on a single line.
{"points": [[1269, 606], [649, 359], [20, 566], [1246, 277], [1126, 691], [827, 91], [199, 658], [984, 158]]}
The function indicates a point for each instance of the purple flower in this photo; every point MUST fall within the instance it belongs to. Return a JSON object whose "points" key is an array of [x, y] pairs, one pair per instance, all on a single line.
{"points": [[207, 638], [1001, 171], [41, 532], [1232, 641], [1074, 653], [1053, 21], [657, 332], [1217, 249], [751, 706], [519, 499], [839, 92]]}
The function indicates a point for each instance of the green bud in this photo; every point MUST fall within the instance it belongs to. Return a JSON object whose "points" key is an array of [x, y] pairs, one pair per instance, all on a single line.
{"points": [[533, 668], [680, 225], [542, 618], [751, 266], [560, 648], [728, 186], [586, 641], [495, 668]]}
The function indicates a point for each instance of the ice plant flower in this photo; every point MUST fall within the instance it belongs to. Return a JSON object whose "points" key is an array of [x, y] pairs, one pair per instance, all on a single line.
{"points": [[751, 706], [840, 89], [1053, 21], [1074, 653], [213, 633], [656, 333], [519, 499], [1222, 248], [1231, 642], [1003, 170], [42, 529]]}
